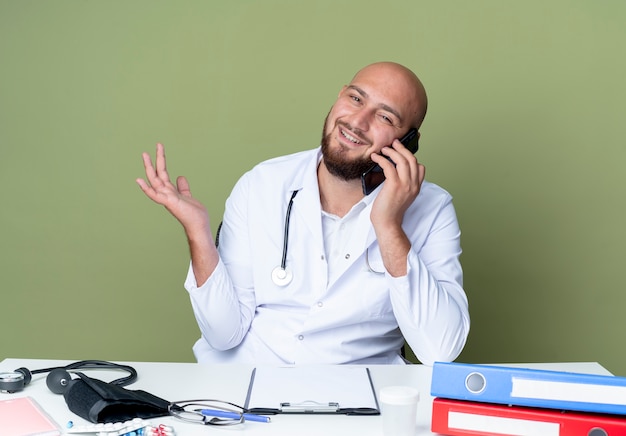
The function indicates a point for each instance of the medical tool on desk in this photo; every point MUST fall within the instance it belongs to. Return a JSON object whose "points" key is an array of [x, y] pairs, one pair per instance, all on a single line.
{"points": [[59, 377], [95, 400], [212, 412]]}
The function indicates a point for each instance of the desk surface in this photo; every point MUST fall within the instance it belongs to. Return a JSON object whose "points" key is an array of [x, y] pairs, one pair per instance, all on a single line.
{"points": [[186, 381]]}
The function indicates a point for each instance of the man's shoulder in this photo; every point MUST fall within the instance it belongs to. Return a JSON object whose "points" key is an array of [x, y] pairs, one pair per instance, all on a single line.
{"points": [[284, 170], [283, 173], [431, 197], [432, 189], [288, 160]]}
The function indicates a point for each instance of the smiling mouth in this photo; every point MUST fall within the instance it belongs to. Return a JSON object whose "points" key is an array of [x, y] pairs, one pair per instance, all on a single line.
{"points": [[349, 137]]}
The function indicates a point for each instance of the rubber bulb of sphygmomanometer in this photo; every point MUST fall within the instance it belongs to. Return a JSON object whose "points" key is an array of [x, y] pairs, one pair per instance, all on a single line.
{"points": [[57, 380]]}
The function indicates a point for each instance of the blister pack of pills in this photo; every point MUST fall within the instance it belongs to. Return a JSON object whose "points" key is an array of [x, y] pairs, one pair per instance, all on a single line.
{"points": [[135, 427]]}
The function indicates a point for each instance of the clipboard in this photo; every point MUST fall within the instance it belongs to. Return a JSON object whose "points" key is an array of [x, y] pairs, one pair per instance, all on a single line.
{"points": [[324, 389]]}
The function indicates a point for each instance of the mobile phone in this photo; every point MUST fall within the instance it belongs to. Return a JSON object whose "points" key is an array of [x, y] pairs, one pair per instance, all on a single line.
{"points": [[375, 176]]}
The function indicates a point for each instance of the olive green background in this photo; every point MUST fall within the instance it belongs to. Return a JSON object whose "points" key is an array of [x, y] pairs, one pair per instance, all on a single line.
{"points": [[525, 129]]}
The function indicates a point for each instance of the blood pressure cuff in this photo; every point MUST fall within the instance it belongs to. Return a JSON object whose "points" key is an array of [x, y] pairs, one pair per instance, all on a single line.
{"points": [[101, 402]]}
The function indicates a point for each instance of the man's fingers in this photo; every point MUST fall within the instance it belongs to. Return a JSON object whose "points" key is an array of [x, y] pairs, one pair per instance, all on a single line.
{"points": [[422, 173], [406, 162], [156, 174], [161, 168], [183, 186], [147, 189]]}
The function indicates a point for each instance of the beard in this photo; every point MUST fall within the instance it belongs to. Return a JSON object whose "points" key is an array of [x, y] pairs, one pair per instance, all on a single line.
{"points": [[338, 163]]}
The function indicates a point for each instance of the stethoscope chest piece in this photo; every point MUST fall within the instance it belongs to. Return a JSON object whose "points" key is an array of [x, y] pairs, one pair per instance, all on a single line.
{"points": [[281, 276]]}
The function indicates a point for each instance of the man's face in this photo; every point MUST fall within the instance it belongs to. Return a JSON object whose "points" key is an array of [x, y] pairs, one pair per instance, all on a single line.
{"points": [[337, 160], [368, 115]]}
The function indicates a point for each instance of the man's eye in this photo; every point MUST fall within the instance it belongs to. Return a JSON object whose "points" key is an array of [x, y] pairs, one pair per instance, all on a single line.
{"points": [[386, 119]]}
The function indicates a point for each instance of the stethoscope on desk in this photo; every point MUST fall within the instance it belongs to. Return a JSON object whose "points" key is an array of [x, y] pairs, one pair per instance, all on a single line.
{"points": [[281, 275]]}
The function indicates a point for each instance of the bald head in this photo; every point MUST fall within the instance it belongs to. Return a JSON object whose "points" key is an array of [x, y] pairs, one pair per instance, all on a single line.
{"points": [[382, 102], [400, 82]]}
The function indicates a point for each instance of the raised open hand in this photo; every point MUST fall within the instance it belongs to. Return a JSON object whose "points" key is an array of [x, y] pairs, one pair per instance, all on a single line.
{"points": [[177, 199]]}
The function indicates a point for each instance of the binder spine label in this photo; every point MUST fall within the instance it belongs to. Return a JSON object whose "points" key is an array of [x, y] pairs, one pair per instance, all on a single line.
{"points": [[500, 425], [559, 391]]}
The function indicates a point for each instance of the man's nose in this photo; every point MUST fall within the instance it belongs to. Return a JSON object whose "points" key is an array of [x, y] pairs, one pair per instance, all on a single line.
{"points": [[360, 120]]}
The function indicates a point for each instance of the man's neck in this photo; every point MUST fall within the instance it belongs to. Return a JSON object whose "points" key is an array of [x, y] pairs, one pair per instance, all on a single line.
{"points": [[337, 196]]}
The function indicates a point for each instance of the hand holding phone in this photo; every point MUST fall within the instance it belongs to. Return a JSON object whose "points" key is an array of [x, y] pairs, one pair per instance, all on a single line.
{"points": [[373, 177]]}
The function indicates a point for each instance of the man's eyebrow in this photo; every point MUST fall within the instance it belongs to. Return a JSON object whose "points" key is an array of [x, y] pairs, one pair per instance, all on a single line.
{"points": [[382, 105]]}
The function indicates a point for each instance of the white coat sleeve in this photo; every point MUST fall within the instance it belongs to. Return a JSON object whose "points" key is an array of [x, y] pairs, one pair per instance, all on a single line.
{"points": [[429, 303], [223, 306]]}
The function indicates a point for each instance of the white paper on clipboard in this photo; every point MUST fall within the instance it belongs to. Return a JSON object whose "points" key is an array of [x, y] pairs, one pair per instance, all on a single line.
{"points": [[312, 389]]}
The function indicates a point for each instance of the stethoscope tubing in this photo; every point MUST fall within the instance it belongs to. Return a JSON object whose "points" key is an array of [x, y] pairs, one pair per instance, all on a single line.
{"points": [[280, 275], [283, 262]]}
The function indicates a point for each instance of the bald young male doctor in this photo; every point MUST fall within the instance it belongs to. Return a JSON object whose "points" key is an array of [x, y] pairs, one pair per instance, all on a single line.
{"points": [[308, 268]]}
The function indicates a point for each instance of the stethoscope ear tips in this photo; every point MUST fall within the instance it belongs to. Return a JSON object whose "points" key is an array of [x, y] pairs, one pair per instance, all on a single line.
{"points": [[281, 276]]}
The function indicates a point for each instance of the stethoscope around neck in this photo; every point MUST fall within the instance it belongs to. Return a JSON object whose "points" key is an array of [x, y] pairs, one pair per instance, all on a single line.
{"points": [[281, 275]]}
